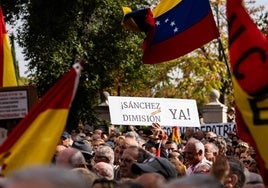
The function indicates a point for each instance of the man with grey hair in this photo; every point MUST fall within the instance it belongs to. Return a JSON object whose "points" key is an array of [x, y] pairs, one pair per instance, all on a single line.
{"points": [[195, 157], [211, 151], [104, 154], [134, 135], [71, 158], [104, 170]]}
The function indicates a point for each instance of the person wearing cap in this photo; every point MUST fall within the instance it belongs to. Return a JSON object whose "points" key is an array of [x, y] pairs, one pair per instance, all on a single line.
{"points": [[86, 149], [65, 142], [159, 165], [66, 139], [195, 156]]}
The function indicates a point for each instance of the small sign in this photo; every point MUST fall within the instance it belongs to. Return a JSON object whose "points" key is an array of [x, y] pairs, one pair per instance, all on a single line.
{"points": [[13, 104], [145, 111]]}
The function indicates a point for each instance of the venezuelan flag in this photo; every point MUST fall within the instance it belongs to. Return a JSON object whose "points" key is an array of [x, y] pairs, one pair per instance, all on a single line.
{"points": [[7, 69], [181, 26], [248, 51], [34, 139]]}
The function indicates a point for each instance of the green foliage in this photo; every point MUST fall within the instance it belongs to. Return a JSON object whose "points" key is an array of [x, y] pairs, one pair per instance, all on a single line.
{"points": [[55, 33]]}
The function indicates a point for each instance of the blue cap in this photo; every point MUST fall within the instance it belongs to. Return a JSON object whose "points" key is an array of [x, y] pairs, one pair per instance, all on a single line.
{"points": [[65, 135]]}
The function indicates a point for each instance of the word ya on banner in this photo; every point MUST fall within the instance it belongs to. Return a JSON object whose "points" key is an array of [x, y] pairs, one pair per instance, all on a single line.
{"points": [[145, 111]]}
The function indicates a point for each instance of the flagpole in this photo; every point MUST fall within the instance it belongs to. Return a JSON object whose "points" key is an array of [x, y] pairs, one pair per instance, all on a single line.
{"points": [[15, 62], [224, 56]]}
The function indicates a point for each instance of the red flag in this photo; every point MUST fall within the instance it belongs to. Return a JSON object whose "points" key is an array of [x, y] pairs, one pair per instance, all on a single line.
{"points": [[34, 139], [248, 49], [7, 69]]}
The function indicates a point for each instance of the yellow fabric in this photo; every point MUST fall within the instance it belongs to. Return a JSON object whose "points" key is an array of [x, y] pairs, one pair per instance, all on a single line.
{"points": [[258, 132], [175, 135], [9, 76], [126, 10], [164, 6], [38, 143]]}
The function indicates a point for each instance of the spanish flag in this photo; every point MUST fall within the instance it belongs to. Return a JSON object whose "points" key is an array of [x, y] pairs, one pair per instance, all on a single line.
{"points": [[175, 135], [248, 50], [7, 69], [34, 139]]}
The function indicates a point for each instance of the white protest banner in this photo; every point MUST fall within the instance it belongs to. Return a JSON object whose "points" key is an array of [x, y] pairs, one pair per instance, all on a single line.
{"points": [[145, 111], [220, 129]]}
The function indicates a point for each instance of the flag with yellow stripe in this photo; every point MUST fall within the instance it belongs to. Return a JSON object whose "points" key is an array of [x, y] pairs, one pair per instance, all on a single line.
{"points": [[34, 139], [7, 68], [248, 50], [175, 136]]}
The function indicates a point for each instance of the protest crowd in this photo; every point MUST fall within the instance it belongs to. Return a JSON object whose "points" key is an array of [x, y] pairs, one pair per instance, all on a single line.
{"points": [[139, 157], [146, 158]]}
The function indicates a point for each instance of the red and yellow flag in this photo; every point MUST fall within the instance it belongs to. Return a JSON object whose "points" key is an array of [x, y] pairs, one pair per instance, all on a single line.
{"points": [[34, 139], [248, 50], [7, 69], [175, 136]]}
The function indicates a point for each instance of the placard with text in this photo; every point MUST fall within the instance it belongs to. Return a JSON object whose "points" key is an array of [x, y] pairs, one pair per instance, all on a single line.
{"points": [[145, 111]]}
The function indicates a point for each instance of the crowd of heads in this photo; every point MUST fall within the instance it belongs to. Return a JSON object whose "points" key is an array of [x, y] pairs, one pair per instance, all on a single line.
{"points": [[145, 157]]}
